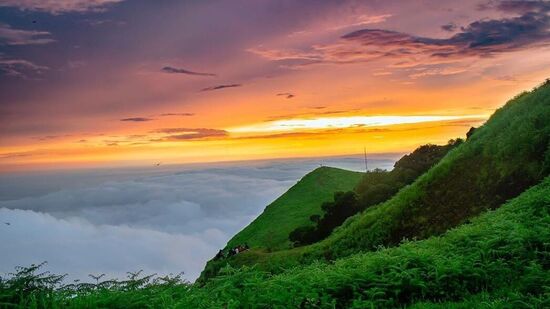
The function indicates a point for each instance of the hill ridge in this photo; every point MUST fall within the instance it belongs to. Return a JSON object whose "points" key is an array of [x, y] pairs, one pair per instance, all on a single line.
{"points": [[296, 205]]}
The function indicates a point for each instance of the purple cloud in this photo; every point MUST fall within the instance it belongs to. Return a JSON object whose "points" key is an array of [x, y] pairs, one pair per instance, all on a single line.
{"points": [[172, 70], [288, 95], [221, 87], [137, 119], [450, 27]]}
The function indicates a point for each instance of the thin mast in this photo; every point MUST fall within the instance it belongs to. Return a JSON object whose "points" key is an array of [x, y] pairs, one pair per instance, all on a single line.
{"points": [[366, 164]]}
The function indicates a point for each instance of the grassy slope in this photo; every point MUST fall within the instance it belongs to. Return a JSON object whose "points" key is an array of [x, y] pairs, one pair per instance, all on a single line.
{"points": [[293, 209], [508, 154], [500, 260]]}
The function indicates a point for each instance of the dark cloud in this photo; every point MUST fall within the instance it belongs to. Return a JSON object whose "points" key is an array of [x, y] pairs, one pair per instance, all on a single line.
{"points": [[516, 6], [450, 27], [173, 70], [177, 114], [137, 119], [190, 133], [480, 38], [221, 87], [288, 95]]}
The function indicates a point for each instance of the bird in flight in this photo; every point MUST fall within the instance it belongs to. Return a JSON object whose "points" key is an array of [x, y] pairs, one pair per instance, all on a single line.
{"points": [[158, 164], [7, 223]]}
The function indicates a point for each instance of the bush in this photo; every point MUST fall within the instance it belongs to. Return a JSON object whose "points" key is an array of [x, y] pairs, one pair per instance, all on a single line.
{"points": [[376, 187]]}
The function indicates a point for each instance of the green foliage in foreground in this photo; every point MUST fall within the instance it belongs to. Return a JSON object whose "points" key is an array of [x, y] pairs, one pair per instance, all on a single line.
{"points": [[500, 259], [293, 209]]}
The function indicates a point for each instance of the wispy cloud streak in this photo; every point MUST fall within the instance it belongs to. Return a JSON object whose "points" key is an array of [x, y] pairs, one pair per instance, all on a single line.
{"points": [[137, 119], [11, 36], [173, 70], [220, 87]]}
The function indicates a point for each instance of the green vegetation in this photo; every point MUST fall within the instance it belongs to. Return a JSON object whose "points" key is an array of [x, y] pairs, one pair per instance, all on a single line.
{"points": [[500, 259], [270, 230], [502, 158], [471, 232], [502, 254], [376, 187]]}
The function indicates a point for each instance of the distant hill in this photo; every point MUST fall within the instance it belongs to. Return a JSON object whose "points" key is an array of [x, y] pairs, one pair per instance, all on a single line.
{"points": [[270, 230]]}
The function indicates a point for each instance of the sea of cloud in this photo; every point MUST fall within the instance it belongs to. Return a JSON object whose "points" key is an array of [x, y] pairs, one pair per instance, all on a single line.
{"points": [[162, 220]]}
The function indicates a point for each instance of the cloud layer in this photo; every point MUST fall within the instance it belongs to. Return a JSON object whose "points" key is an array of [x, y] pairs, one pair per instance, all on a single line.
{"points": [[162, 220]]}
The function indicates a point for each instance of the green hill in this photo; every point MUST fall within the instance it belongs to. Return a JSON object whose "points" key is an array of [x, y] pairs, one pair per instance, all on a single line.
{"points": [[293, 209], [500, 260], [375, 187], [507, 155], [504, 157]]}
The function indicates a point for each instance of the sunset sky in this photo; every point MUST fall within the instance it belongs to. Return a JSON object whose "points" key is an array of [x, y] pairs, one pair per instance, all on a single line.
{"points": [[119, 83]]}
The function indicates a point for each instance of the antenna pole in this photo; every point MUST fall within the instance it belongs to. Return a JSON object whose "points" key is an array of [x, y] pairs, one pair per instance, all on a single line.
{"points": [[366, 165]]}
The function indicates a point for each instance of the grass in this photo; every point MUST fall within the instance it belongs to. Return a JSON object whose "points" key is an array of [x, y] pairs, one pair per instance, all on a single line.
{"points": [[270, 230]]}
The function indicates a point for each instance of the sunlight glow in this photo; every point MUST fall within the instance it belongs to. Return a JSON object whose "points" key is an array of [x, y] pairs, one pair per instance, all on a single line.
{"points": [[343, 122]]}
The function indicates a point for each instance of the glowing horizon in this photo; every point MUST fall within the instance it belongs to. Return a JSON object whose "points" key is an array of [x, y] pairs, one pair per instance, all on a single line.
{"points": [[113, 83], [343, 122]]}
